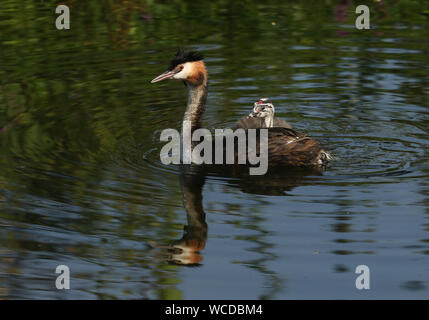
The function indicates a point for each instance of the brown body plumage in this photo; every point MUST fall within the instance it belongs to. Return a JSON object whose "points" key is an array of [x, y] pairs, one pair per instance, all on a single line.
{"points": [[290, 148], [253, 123]]}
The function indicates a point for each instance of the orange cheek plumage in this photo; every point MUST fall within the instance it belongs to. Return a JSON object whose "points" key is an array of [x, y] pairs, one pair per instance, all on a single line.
{"points": [[198, 75]]}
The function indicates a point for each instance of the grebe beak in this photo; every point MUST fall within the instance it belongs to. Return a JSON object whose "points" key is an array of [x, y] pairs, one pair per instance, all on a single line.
{"points": [[164, 76]]}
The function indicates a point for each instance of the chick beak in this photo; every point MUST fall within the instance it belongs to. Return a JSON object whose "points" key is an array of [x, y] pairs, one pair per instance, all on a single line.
{"points": [[253, 114]]}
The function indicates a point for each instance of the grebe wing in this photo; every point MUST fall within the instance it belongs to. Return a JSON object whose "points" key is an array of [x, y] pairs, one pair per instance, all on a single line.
{"points": [[281, 123], [291, 148], [284, 133], [255, 123], [248, 123]]}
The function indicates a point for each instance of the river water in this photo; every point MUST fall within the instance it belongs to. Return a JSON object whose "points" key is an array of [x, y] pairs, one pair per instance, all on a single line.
{"points": [[82, 185]]}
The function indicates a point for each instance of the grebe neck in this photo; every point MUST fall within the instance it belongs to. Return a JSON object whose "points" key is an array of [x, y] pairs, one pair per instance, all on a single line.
{"points": [[267, 122], [197, 97]]}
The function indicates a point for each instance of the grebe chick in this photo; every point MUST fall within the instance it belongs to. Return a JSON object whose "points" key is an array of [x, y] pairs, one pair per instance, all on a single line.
{"points": [[265, 110], [253, 123]]}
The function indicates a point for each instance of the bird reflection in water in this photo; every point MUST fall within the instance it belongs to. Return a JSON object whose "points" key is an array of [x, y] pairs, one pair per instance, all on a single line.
{"points": [[186, 251], [277, 181]]}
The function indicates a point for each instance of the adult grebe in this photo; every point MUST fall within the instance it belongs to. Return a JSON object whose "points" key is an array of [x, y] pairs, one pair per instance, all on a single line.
{"points": [[285, 146]]}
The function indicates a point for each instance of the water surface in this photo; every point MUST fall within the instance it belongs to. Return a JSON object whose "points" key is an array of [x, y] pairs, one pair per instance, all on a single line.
{"points": [[81, 183]]}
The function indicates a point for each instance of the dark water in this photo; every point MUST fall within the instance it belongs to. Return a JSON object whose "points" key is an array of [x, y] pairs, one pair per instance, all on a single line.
{"points": [[81, 183]]}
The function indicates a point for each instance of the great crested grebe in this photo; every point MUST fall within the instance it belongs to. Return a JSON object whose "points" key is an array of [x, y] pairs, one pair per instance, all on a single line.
{"points": [[285, 146]]}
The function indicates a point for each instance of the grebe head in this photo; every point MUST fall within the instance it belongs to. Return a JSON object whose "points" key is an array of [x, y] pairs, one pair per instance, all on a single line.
{"points": [[262, 108], [186, 66]]}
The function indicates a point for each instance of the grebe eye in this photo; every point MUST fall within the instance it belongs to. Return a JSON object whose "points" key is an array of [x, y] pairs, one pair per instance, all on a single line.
{"points": [[181, 67]]}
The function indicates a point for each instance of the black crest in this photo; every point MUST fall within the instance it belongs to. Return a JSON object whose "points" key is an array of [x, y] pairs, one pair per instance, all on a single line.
{"points": [[182, 57]]}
